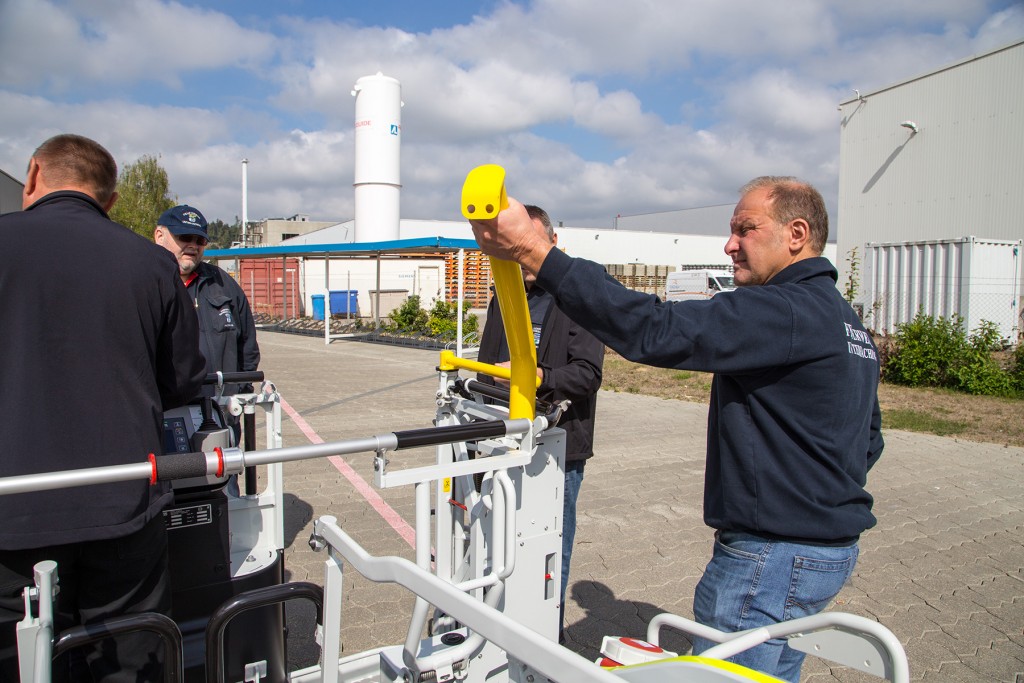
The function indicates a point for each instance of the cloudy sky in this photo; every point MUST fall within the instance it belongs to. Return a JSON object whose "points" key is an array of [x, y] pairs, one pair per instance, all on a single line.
{"points": [[595, 107]]}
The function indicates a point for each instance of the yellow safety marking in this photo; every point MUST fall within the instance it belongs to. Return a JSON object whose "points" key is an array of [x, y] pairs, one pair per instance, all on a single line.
{"points": [[446, 485], [747, 673]]}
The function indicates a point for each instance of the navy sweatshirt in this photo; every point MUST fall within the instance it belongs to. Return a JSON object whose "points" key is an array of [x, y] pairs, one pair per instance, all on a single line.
{"points": [[793, 423], [98, 339]]}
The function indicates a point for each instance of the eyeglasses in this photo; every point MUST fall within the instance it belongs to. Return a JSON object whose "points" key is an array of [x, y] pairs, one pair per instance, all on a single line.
{"points": [[189, 239]]}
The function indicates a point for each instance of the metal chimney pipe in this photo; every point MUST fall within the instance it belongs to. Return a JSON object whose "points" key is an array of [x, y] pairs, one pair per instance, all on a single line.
{"points": [[245, 199]]}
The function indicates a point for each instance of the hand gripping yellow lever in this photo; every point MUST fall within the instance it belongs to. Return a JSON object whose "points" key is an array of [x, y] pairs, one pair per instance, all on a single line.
{"points": [[483, 196]]}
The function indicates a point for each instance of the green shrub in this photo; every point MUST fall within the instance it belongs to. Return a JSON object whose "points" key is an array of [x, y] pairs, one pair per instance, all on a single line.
{"points": [[977, 372], [409, 317], [852, 276], [938, 352], [1017, 367], [439, 322], [444, 323], [922, 350]]}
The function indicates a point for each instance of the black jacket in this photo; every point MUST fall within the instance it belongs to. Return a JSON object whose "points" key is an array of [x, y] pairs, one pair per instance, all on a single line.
{"points": [[97, 339], [572, 360], [227, 330], [793, 425]]}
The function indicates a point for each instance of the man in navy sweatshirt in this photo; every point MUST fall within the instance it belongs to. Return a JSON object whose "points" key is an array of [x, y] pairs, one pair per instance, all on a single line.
{"points": [[87, 306], [793, 421]]}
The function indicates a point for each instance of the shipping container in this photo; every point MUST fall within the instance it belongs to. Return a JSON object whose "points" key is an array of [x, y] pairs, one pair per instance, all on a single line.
{"points": [[273, 286], [976, 279]]}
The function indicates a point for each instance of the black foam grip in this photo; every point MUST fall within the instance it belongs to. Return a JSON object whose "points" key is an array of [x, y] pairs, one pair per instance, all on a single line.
{"points": [[431, 436], [237, 377], [180, 466]]}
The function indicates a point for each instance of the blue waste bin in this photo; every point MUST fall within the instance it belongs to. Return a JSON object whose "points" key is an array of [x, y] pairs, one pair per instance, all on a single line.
{"points": [[318, 307], [345, 302]]}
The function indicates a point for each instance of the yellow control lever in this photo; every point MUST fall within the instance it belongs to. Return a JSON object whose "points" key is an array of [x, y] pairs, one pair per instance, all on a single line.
{"points": [[483, 193], [483, 196]]}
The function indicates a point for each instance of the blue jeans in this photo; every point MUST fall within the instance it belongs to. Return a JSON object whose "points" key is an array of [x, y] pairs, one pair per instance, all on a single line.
{"points": [[752, 581], [573, 482]]}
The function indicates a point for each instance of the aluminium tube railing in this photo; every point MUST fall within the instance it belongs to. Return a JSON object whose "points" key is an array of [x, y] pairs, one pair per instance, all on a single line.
{"points": [[544, 655], [232, 460]]}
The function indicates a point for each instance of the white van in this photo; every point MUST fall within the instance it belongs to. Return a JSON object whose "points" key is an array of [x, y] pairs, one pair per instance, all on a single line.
{"points": [[684, 285]]}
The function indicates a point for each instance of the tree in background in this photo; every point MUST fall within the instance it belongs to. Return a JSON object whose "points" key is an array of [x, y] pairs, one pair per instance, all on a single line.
{"points": [[222, 234], [143, 194]]}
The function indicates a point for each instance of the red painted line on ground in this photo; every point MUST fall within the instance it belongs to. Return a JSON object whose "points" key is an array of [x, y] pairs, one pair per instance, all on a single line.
{"points": [[372, 497]]}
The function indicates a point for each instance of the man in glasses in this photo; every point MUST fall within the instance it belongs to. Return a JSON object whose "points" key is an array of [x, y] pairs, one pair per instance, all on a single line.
{"points": [[227, 332]]}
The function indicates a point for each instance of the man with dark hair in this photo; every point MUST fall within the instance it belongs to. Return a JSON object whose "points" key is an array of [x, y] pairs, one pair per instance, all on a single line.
{"points": [[793, 422], [569, 363], [99, 339]]}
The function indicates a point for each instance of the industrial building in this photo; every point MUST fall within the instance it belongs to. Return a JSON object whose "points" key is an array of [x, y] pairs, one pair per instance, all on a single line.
{"points": [[10, 193], [931, 171], [270, 231], [639, 251], [638, 256]]}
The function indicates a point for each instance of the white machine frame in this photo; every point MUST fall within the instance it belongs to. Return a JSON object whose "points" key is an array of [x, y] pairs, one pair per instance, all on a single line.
{"points": [[494, 585]]}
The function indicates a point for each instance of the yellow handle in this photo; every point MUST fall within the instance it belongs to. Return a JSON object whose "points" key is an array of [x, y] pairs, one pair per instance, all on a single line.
{"points": [[483, 196], [449, 362], [483, 193]]}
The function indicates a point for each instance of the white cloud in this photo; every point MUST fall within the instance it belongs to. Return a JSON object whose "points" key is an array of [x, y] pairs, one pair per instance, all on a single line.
{"points": [[595, 37], [1001, 28], [692, 98], [445, 99], [127, 129], [70, 45], [781, 104], [874, 14], [619, 114]]}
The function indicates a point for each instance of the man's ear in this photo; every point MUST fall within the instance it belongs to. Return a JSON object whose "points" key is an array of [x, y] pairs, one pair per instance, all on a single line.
{"points": [[554, 239], [110, 202], [799, 234], [31, 184]]}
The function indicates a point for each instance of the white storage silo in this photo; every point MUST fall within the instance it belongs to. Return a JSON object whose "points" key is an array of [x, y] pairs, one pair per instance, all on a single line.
{"points": [[378, 134]]}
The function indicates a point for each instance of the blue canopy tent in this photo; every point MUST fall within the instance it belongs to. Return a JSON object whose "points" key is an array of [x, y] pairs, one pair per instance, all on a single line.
{"points": [[357, 249]]}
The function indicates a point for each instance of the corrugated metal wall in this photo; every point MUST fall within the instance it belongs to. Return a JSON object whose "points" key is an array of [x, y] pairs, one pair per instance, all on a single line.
{"points": [[273, 286], [977, 280], [961, 174]]}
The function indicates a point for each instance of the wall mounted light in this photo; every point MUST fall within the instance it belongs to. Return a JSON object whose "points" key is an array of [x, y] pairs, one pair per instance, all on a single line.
{"points": [[911, 125]]}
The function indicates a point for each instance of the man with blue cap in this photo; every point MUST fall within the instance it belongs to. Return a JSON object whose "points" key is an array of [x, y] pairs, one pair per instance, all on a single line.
{"points": [[227, 331]]}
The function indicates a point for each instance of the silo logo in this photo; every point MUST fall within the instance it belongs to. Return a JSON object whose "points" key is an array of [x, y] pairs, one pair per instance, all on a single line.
{"points": [[395, 128]]}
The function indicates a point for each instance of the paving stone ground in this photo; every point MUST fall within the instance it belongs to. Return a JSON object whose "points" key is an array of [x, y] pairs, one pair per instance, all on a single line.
{"points": [[943, 569]]}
